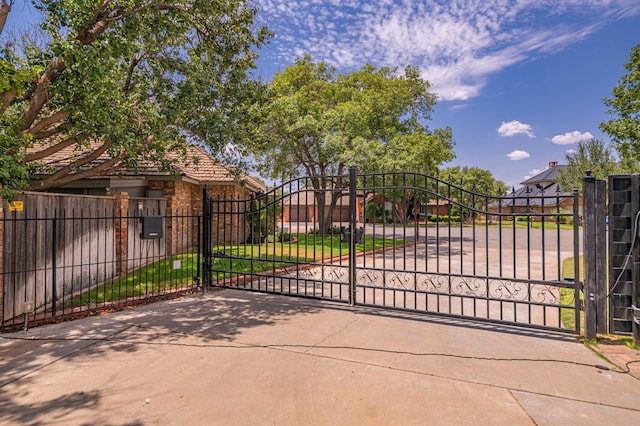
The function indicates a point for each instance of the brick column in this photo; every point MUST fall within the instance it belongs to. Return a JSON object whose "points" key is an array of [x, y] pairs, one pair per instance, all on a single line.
{"points": [[170, 194], [120, 213]]}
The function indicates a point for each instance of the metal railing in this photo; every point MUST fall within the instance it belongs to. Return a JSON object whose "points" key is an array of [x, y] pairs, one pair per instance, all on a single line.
{"points": [[429, 245], [63, 263]]}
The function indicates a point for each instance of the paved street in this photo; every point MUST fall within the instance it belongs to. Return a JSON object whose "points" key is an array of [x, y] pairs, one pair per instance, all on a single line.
{"points": [[480, 237]]}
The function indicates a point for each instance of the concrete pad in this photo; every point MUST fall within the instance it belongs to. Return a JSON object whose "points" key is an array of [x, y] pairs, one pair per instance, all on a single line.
{"points": [[233, 357]]}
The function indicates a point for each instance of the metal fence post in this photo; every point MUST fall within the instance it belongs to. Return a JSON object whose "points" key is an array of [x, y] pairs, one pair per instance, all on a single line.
{"points": [[352, 235], [206, 239], [54, 264], [577, 271], [595, 248]]}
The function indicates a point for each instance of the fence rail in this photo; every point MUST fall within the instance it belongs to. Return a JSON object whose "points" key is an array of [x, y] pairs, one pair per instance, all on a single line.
{"points": [[63, 257]]}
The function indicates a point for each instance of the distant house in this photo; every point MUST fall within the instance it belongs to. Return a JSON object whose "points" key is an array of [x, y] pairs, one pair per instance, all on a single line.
{"points": [[400, 209], [302, 206], [540, 193], [438, 206]]}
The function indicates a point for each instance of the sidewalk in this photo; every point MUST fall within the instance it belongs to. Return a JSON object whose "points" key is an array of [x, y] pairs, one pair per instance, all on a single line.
{"points": [[233, 357], [626, 359]]}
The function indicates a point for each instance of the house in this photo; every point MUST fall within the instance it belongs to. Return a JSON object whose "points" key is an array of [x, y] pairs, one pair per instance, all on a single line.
{"points": [[95, 230], [438, 206], [399, 209], [180, 190], [540, 193], [302, 206], [199, 169]]}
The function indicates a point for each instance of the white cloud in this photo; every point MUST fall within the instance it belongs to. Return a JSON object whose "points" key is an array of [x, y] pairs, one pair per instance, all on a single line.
{"points": [[457, 45], [571, 138], [515, 127], [533, 172], [518, 155], [570, 151]]}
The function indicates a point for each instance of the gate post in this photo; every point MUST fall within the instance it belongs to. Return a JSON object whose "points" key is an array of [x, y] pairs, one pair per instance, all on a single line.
{"points": [[624, 255], [595, 248], [206, 239], [578, 280], [352, 235]]}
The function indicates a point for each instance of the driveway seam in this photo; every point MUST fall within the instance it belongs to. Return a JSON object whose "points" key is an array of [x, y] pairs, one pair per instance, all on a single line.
{"points": [[342, 330], [422, 373]]}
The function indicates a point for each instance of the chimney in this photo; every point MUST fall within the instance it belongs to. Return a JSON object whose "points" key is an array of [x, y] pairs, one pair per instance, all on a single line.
{"points": [[552, 164]]}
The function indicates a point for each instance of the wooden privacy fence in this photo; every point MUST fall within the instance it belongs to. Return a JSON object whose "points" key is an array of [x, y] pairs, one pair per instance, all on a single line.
{"points": [[49, 251], [56, 247]]}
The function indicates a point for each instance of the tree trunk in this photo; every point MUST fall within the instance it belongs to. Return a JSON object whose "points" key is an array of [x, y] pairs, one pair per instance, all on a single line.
{"points": [[5, 9]]}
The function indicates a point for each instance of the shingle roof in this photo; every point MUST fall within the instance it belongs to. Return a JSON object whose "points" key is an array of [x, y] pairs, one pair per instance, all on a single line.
{"points": [[535, 195], [539, 190], [199, 166], [548, 176]]}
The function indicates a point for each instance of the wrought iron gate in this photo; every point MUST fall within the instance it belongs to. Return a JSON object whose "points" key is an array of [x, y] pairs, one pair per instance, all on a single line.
{"points": [[404, 240]]}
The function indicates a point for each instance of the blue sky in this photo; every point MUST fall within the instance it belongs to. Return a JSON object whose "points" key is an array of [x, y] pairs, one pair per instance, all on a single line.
{"points": [[520, 82]]}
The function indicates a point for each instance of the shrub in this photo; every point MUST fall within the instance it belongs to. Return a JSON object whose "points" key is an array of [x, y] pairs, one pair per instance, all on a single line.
{"points": [[443, 218], [284, 237]]}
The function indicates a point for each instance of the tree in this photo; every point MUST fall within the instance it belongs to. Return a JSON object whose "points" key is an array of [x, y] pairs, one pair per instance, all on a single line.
{"points": [[625, 106], [472, 188], [5, 9], [318, 123], [126, 82], [596, 157]]}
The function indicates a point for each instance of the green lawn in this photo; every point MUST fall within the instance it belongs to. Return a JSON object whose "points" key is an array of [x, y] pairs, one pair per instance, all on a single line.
{"points": [[160, 277], [156, 278], [567, 295]]}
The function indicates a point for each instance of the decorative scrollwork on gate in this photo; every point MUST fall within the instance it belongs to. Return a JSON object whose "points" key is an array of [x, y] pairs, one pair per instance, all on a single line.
{"points": [[369, 277], [335, 273], [505, 289], [433, 283], [400, 280], [545, 294], [331, 273], [468, 286]]}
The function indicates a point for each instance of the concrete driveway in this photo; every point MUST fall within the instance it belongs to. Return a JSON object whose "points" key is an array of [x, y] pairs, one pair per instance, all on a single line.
{"points": [[233, 357]]}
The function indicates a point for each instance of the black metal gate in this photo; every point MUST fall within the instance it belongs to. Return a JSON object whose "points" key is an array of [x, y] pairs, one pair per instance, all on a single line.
{"points": [[404, 240]]}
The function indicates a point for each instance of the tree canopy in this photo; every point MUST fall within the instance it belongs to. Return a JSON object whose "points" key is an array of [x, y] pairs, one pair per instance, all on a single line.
{"points": [[126, 81], [596, 157], [472, 188], [474, 179], [318, 122], [624, 128]]}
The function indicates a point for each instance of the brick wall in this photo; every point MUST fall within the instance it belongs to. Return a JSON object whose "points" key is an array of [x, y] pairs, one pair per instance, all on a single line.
{"points": [[230, 227], [184, 203], [121, 207], [180, 223]]}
